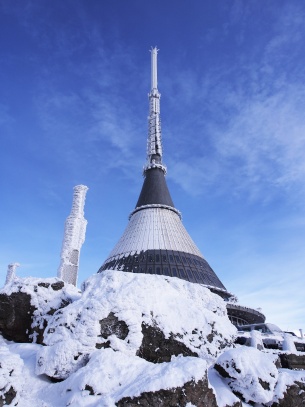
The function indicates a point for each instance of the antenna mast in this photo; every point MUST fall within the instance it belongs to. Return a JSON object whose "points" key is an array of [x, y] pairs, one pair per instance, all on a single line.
{"points": [[154, 141]]}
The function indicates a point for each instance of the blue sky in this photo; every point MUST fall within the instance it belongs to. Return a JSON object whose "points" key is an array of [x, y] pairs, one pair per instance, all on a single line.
{"points": [[73, 110]]}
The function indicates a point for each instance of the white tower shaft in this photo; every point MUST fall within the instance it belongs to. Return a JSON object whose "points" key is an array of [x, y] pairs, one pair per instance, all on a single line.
{"points": [[74, 237]]}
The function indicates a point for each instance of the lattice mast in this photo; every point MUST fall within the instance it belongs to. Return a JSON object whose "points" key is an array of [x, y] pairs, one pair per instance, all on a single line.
{"points": [[154, 139]]}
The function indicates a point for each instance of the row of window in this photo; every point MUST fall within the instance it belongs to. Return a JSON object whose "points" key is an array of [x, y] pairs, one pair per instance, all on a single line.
{"points": [[158, 259], [169, 263], [237, 321], [191, 275]]}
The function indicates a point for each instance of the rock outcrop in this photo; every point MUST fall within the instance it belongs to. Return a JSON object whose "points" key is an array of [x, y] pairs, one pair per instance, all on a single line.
{"points": [[26, 306], [121, 311], [197, 393], [250, 373], [294, 396], [11, 367]]}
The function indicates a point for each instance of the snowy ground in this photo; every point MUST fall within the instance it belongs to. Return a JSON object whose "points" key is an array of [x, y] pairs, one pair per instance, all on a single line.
{"points": [[110, 374]]}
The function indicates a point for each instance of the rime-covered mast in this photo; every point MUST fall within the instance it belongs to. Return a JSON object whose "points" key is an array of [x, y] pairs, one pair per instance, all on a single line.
{"points": [[74, 237], [11, 272], [154, 140]]}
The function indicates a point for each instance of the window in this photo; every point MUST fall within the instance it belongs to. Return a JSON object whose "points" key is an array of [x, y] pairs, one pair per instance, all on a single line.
{"points": [[190, 276], [177, 259], [182, 274], [166, 271]]}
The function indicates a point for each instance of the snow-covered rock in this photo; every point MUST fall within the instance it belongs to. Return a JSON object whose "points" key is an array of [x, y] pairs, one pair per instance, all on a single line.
{"points": [[290, 389], [26, 305], [11, 382], [114, 378], [256, 340], [127, 312], [288, 343], [251, 374]]}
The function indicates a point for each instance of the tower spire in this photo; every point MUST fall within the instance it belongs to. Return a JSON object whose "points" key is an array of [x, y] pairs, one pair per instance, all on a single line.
{"points": [[154, 141]]}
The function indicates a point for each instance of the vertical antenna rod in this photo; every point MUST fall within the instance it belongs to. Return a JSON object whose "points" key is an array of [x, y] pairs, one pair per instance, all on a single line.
{"points": [[154, 77], [154, 141]]}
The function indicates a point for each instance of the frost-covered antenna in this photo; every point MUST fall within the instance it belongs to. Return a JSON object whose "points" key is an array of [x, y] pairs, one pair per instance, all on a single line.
{"points": [[154, 141], [74, 237], [11, 272]]}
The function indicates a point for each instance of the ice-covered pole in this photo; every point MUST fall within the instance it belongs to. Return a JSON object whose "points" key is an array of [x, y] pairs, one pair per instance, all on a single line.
{"points": [[11, 272], [74, 237], [154, 140]]}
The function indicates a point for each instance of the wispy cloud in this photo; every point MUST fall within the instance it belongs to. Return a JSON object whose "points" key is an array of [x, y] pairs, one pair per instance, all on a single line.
{"points": [[254, 142]]}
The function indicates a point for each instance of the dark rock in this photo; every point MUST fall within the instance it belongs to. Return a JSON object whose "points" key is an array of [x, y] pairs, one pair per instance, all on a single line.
{"points": [[58, 285], [43, 284], [265, 385], [22, 322], [103, 345], [89, 389], [112, 326], [291, 361], [8, 398], [222, 371], [16, 314], [157, 349], [197, 393], [293, 397]]}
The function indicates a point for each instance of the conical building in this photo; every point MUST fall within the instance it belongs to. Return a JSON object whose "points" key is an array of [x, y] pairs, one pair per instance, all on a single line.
{"points": [[155, 240]]}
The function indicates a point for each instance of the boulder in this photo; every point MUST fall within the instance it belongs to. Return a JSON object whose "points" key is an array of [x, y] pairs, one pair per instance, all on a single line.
{"points": [[26, 305], [11, 379], [293, 397], [290, 389], [16, 316], [156, 348], [250, 373], [197, 393], [114, 378], [292, 361], [153, 317]]}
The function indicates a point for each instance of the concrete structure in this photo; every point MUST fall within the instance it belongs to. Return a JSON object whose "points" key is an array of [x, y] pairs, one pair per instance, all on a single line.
{"points": [[74, 237], [155, 240]]}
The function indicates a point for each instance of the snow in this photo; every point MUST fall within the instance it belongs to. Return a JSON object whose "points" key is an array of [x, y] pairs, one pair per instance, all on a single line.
{"points": [[252, 373], [288, 343], [175, 306], [101, 377], [11, 367], [287, 378], [114, 375], [224, 395], [43, 297], [256, 340]]}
